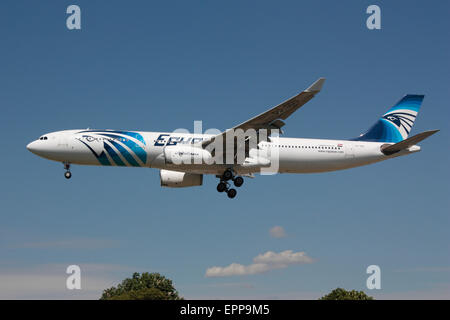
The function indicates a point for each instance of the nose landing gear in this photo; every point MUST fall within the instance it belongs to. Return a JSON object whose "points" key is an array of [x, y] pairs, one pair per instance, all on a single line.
{"points": [[224, 185], [67, 174]]}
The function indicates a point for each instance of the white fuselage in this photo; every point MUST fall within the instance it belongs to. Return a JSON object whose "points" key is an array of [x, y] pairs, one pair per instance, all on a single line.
{"points": [[146, 149]]}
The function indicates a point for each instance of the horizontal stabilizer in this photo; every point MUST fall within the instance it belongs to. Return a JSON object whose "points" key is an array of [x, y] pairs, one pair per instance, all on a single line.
{"points": [[405, 144]]}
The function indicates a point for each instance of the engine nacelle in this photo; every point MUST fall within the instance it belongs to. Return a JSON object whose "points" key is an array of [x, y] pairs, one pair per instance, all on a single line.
{"points": [[177, 179], [186, 155]]}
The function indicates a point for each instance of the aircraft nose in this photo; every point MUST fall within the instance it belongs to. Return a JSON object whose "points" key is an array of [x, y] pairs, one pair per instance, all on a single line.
{"points": [[32, 147]]}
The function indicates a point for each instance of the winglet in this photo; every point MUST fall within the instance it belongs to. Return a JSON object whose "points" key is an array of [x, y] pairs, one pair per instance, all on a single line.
{"points": [[316, 86]]}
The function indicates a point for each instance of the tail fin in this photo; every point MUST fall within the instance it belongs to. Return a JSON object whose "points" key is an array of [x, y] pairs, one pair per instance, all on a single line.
{"points": [[395, 125]]}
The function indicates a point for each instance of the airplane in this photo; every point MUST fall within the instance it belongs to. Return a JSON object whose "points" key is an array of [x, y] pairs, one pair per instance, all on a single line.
{"points": [[386, 139]]}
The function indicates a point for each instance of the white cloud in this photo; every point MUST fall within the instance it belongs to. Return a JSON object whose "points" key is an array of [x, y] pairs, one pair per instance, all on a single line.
{"points": [[257, 295], [236, 269], [425, 269], [283, 258], [42, 286], [261, 263], [439, 291], [277, 232], [75, 243], [49, 281], [244, 285]]}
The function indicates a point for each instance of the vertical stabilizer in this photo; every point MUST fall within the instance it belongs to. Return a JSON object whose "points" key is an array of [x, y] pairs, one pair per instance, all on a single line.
{"points": [[395, 125]]}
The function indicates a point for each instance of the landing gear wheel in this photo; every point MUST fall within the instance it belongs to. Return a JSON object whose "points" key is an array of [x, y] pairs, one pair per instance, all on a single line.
{"points": [[221, 187], [67, 174], [227, 175], [231, 193], [238, 181]]}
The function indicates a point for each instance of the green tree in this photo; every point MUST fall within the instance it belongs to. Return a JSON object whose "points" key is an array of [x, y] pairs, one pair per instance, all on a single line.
{"points": [[342, 294], [145, 286]]}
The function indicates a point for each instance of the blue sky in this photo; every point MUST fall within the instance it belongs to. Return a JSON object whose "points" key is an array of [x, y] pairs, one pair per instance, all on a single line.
{"points": [[158, 66]]}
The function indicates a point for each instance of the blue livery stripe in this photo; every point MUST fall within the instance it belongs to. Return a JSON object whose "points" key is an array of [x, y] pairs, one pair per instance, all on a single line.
{"points": [[138, 150], [409, 102], [125, 154], [132, 134], [102, 158], [114, 155]]}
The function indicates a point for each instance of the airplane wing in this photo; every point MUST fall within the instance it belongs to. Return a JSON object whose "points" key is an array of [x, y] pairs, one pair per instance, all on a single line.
{"points": [[272, 119]]}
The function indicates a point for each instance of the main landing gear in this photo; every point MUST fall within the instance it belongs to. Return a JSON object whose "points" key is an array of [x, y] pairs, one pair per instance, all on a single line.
{"points": [[224, 184], [67, 174]]}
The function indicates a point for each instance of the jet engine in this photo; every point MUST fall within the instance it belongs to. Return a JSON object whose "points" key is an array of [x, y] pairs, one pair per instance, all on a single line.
{"points": [[177, 179]]}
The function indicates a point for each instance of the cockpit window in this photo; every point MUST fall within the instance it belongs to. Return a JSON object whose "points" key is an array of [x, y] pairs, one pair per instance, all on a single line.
{"points": [[43, 138]]}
